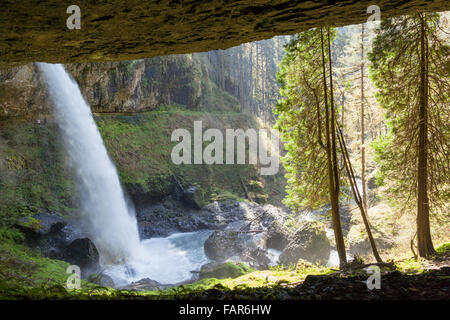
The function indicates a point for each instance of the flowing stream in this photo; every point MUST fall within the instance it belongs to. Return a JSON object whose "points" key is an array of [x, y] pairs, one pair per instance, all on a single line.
{"points": [[173, 259], [110, 219]]}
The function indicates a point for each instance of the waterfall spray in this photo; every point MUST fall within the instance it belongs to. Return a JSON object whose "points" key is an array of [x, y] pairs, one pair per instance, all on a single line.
{"points": [[111, 221]]}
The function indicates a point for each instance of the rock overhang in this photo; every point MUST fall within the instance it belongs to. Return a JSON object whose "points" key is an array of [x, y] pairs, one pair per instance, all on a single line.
{"points": [[134, 29]]}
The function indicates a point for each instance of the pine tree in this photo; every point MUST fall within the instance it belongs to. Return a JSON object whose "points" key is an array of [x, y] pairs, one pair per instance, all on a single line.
{"points": [[307, 125], [364, 121], [410, 68]]}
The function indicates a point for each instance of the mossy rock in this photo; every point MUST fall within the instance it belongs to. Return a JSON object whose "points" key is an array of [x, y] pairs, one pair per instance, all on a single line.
{"points": [[102, 280], [308, 242], [303, 264], [444, 248], [224, 270], [195, 196], [358, 241], [41, 224]]}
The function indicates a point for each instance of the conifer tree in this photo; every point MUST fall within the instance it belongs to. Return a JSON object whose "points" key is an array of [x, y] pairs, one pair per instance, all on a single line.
{"points": [[307, 118], [410, 68]]}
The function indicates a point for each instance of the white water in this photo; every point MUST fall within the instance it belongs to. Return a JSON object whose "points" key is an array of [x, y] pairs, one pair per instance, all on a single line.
{"points": [[273, 255], [112, 222], [173, 260]]}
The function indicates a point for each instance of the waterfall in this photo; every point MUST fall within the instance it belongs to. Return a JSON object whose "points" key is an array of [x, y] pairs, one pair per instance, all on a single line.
{"points": [[111, 221]]}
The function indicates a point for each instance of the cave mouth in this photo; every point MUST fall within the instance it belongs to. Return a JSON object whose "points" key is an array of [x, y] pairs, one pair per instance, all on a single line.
{"points": [[179, 256]]}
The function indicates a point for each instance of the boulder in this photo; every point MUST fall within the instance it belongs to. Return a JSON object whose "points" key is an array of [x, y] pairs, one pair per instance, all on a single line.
{"points": [[223, 270], [309, 242], [277, 236], [102, 280], [259, 258], [251, 230], [83, 253], [226, 245], [358, 241], [222, 244], [40, 225], [146, 284], [194, 196]]}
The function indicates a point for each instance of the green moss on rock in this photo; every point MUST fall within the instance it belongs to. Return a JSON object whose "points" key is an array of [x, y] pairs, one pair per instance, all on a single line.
{"points": [[224, 270]]}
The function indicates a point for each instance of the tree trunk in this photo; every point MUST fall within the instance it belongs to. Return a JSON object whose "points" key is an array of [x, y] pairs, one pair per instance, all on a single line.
{"points": [[363, 147], [333, 183], [425, 244], [251, 77], [356, 195], [241, 80]]}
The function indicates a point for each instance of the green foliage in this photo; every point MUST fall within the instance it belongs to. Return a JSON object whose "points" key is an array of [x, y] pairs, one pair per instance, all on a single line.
{"points": [[131, 141], [299, 113], [33, 223], [226, 270], [23, 268], [34, 174], [395, 72], [443, 248]]}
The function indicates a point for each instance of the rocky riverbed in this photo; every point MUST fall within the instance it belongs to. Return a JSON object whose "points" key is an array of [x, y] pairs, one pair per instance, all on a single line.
{"points": [[240, 232], [238, 235]]}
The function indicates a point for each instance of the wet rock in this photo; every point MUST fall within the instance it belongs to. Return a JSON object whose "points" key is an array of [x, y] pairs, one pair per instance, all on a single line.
{"points": [[171, 215], [40, 225], [194, 196], [102, 280], [242, 230], [53, 253], [277, 237], [146, 284], [221, 245], [372, 182], [309, 242], [252, 230], [125, 31], [50, 233], [223, 270], [167, 217], [83, 253], [259, 258]]}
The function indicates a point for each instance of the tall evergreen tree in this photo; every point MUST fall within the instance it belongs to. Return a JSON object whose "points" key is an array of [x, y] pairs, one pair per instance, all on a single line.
{"points": [[410, 67], [307, 125]]}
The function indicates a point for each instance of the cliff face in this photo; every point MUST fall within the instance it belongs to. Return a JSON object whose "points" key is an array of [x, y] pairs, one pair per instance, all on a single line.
{"points": [[224, 89], [237, 79], [116, 87], [140, 85], [22, 94]]}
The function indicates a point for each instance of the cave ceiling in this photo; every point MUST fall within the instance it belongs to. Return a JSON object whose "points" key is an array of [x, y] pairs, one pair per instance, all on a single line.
{"points": [[134, 29]]}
